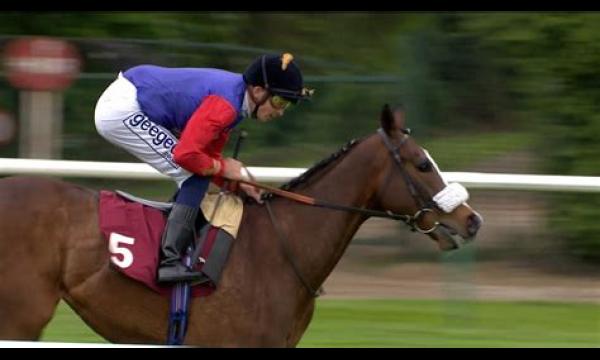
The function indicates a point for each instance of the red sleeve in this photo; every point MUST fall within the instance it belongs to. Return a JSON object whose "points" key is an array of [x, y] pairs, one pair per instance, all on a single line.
{"points": [[204, 136], [215, 151], [216, 147]]}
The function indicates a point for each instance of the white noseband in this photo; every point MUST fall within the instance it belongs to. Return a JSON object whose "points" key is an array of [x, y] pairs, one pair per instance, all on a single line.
{"points": [[451, 197]]}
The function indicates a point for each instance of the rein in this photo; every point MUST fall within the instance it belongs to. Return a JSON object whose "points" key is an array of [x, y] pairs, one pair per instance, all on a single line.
{"points": [[307, 200], [411, 221]]}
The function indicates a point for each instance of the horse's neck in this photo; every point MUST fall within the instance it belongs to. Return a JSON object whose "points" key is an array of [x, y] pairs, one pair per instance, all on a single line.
{"points": [[318, 237]]}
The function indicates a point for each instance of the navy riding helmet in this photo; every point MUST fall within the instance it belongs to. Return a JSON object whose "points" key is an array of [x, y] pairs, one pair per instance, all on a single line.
{"points": [[279, 75]]}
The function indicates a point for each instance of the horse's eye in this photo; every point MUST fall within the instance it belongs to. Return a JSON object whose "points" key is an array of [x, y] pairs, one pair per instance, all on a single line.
{"points": [[425, 166]]}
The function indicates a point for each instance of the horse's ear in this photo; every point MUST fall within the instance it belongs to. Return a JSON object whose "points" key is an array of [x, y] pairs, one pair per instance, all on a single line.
{"points": [[387, 119]]}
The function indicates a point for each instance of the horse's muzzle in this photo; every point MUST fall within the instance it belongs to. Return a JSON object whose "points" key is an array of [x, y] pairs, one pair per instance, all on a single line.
{"points": [[450, 239], [474, 222]]}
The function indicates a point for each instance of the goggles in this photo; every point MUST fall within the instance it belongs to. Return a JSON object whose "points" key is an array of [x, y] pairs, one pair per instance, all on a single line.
{"points": [[279, 102]]}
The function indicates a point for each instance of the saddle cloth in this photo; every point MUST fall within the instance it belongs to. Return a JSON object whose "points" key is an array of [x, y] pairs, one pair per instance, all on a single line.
{"points": [[134, 232]]}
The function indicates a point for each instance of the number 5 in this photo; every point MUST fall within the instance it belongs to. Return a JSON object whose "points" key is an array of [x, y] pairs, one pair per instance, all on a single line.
{"points": [[113, 246]]}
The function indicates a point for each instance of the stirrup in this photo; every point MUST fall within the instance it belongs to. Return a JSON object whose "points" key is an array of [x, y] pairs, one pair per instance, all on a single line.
{"points": [[178, 273]]}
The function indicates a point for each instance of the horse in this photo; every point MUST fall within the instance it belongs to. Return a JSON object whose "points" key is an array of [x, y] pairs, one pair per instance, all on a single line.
{"points": [[51, 249]]}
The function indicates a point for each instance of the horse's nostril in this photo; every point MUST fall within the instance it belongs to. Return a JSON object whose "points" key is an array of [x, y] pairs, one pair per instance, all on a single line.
{"points": [[473, 224]]}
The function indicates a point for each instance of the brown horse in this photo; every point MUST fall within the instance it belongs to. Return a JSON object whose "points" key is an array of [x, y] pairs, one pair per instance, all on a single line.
{"points": [[51, 249]]}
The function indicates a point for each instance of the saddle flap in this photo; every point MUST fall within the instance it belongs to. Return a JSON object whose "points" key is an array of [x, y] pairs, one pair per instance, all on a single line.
{"points": [[133, 230]]}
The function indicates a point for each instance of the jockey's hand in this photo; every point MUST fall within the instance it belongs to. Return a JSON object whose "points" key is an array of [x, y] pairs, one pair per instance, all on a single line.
{"points": [[233, 169], [252, 191]]}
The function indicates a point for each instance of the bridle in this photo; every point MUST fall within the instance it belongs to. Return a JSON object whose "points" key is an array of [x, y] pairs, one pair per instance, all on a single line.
{"points": [[425, 206]]}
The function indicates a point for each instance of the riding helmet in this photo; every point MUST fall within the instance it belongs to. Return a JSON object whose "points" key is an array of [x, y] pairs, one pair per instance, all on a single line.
{"points": [[280, 75]]}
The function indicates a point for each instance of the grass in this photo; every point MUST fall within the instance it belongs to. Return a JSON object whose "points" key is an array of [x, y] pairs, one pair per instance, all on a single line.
{"points": [[419, 323], [66, 326], [431, 323]]}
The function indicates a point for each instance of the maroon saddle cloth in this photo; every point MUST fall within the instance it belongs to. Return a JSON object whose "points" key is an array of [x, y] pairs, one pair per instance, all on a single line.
{"points": [[133, 232]]}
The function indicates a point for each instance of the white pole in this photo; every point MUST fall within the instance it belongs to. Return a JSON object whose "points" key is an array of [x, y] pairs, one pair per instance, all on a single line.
{"points": [[40, 117]]}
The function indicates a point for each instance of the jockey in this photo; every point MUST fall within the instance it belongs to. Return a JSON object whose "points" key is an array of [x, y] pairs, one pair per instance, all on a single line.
{"points": [[178, 120]]}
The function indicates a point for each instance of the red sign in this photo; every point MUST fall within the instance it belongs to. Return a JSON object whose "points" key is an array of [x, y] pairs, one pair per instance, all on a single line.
{"points": [[41, 63]]}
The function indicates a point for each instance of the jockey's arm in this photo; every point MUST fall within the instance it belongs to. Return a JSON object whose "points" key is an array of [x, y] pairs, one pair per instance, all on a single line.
{"points": [[202, 140]]}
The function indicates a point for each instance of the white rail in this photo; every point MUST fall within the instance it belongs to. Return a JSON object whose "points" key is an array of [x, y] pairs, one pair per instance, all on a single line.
{"points": [[36, 344], [95, 169]]}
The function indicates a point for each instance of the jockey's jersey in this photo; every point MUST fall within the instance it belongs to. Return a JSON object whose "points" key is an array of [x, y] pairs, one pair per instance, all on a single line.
{"points": [[200, 104], [169, 96]]}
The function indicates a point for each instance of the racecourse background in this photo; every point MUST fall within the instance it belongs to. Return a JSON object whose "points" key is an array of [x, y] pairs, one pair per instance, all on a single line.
{"points": [[486, 93]]}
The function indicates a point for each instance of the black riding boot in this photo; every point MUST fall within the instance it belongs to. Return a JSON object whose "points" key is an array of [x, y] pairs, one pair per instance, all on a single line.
{"points": [[178, 235]]}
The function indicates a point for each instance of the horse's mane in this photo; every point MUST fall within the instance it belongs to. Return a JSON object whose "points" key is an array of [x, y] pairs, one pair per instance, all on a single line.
{"points": [[319, 165]]}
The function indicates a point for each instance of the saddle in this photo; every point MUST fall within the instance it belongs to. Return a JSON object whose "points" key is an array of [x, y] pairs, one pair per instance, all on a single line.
{"points": [[133, 228]]}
